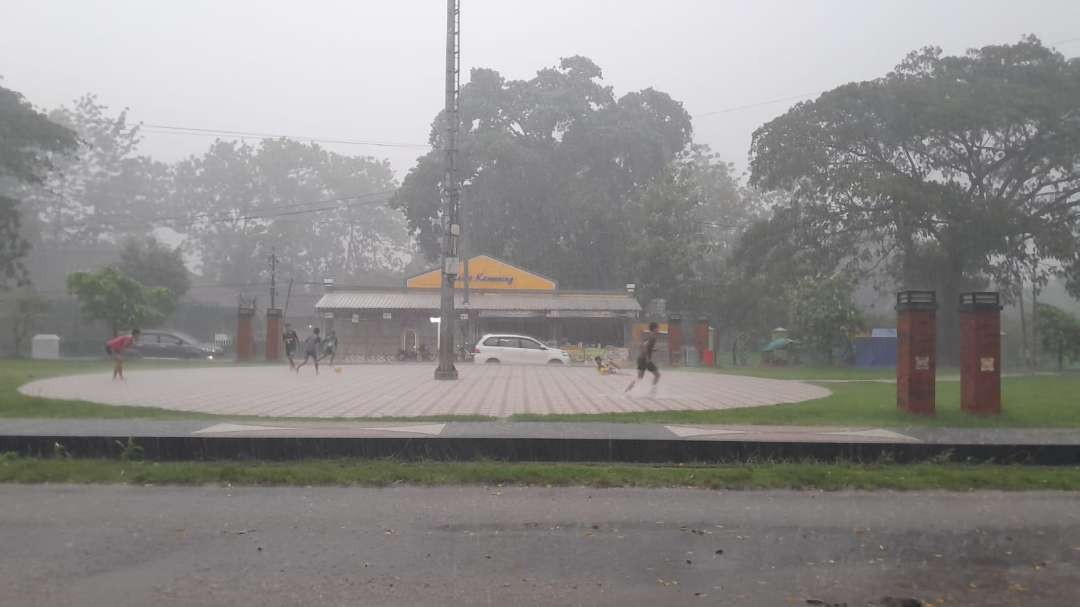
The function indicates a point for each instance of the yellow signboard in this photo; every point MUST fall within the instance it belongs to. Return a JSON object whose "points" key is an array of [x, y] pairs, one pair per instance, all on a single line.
{"points": [[487, 273]]}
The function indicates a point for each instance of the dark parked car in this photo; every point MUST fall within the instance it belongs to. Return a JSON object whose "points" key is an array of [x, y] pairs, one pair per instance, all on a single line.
{"points": [[173, 344]]}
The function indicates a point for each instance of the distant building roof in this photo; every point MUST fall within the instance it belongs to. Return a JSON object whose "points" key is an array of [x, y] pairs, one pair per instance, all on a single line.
{"points": [[415, 299], [883, 333]]}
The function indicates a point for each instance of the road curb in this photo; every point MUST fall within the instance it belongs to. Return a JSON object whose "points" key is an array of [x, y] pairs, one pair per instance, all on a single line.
{"points": [[521, 449]]}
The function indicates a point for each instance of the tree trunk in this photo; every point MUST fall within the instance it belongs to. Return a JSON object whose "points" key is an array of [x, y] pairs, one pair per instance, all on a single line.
{"points": [[1025, 352], [948, 316], [1034, 325]]}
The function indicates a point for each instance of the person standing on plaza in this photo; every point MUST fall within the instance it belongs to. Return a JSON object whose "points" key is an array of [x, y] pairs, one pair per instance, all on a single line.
{"points": [[645, 360], [115, 348], [311, 350], [291, 341]]}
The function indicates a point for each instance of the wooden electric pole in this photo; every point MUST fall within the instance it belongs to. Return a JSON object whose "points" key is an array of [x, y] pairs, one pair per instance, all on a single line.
{"points": [[450, 223]]}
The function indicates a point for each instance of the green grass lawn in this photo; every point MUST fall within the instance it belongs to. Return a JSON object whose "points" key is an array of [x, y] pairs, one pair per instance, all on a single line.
{"points": [[353, 472], [14, 373], [812, 372], [1030, 402]]}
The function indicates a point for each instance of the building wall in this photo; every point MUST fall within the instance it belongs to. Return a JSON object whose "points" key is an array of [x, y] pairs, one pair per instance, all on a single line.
{"points": [[373, 336]]}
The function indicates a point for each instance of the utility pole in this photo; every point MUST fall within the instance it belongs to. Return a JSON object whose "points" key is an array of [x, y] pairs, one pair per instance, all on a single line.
{"points": [[451, 227], [273, 278]]}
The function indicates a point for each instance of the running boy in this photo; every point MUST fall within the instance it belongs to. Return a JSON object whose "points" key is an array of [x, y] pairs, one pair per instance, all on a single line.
{"points": [[291, 341], [329, 346], [645, 361], [311, 350], [115, 348]]}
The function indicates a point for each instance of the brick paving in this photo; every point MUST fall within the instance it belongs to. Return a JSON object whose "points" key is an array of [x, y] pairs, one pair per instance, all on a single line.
{"points": [[409, 390]]}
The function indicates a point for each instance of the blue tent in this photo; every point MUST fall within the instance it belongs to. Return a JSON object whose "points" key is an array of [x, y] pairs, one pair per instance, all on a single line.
{"points": [[778, 344], [875, 351]]}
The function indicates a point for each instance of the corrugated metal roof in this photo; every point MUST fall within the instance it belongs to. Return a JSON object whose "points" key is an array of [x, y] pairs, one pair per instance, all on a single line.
{"points": [[429, 300]]}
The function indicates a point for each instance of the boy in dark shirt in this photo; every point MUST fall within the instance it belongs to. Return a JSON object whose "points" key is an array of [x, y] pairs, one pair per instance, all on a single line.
{"points": [[291, 341], [311, 350], [329, 346], [645, 361]]}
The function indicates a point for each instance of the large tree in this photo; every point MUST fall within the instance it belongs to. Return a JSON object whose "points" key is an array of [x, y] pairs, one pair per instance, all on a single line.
{"points": [[114, 297], [30, 146], [688, 220], [1060, 334], [324, 214], [942, 169], [154, 264], [102, 190], [552, 167]]}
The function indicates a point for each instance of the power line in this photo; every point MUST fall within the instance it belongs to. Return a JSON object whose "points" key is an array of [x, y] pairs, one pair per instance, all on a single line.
{"points": [[199, 216], [222, 217], [166, 129], [758, 104]]}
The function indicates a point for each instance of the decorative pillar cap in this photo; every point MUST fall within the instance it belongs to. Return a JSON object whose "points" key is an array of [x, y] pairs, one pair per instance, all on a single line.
{"points": [[980, 300], [916, 300]]}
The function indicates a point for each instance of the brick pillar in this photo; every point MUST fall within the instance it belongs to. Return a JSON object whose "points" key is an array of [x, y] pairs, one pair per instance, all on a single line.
{"points": [[245, 334], [916, 357], [273, 334], [980, 353], [701, 342], [674, 332]]}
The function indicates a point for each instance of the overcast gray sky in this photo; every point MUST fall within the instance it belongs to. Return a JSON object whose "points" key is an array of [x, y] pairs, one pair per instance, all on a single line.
{"points": [[372, 71]]}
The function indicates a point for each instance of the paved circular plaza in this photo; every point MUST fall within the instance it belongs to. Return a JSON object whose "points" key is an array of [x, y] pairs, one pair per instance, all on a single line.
{"points": [[408, 390]]}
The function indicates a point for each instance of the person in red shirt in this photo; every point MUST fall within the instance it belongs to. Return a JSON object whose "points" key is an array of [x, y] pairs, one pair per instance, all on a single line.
{"points": [[115, 348]]}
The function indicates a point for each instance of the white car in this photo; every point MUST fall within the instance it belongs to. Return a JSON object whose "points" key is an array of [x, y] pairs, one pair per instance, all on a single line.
{"points": [[517, 349]]}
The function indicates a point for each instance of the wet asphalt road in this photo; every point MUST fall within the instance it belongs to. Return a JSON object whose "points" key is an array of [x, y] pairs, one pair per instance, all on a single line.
{"points": [[109, 545]]}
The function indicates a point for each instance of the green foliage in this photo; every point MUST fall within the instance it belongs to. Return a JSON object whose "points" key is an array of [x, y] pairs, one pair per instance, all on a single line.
{"points": [[244, 201], [103, 189], [553, 168], [29, 145], [118, 299], [383, 472], [24, 308], [1060, 334], [130, 451], [1027, 402], [28, 139], [940, 170], [154, 264], [824, 316]]}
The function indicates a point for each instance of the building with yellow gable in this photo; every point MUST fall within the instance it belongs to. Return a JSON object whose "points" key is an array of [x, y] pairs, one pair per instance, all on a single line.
{"points": [[494, 297]]}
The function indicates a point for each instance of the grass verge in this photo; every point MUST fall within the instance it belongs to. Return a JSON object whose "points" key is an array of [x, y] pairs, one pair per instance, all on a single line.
{"points": [[1044, 401], [798, 372], [379, 473]]}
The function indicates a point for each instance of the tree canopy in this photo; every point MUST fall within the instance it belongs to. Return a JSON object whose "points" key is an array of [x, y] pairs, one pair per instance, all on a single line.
{"points": [[1059, 332], [114, 297], [30, 144], [100, 191], [940, 171], [154, 264], [323, 213], [552, 167]]}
